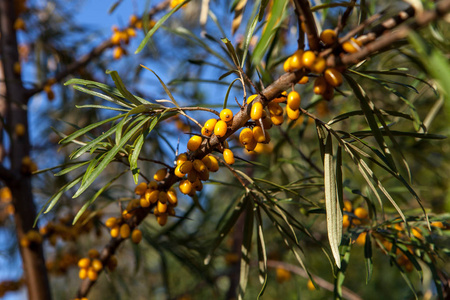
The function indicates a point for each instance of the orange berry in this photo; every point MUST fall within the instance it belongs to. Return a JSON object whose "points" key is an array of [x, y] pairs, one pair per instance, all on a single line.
{"points": [[348, 206], [296, 62], [333, 77], [203, 175], [161, 219], [125, 231], [416, 232], [308, 59], [194, 142], [283, 275], [319, 65], [328, 37], [131, 32], [260, 135], [361, 240], [293, 100], [287, 65], [281, 99], [162, 207], [267, 123], [226, 115], [256, 111], [199, 166], [140, 188], [192, 175], [162, 197], [172, 197], [220, 129], [92, 274], [228, 156], [303, 80], [93, 253], [84, 262], [246, 136], [320, 85], [352, 46], [277, 120], [361, 213], [115, 231], [293, 114], [214, 164], [345, 221], [275, 108], [83, 273], [251, 146], [181, 158], [178, 173], [19, 24], [118, 52], [185, 186], [97, 265], [251, 98], [438, 224], [152, 185], [160, 174], [111, 222], [20, 129], [152, 196], [310, 285], [136, 236]]}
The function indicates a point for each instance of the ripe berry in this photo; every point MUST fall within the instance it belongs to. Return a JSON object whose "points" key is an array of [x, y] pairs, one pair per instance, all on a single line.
{"points": [[144, 202], [246, 136], [111, 222], [118, 52], [226, 115], [185, 186], [275, 108], [319, 65], [361, 213], [303, 80], [136, 236], [333, 77], [296, 61], [161, 219], [345, 221], [97, 265], [220, 129], [172, 197], [162, 197], [125, 231], [194, 142], [251, 98], [160, 174], [293, 100], [213, 165], [115, 231], [182, 158], [203, 175], [260, 134], [186, 167], [162, 207], [153, 185], [228, 156], [83, 273], [20, 129], [152, 196], [199, 166], [352, 46], [267, 123], [328, 37], [348, 206], [84, 262], [292, 114], [320, 85], [281, 99], [140, 188], [256, 111], [93, 253], [208, 128], [361, 240], [308, 59], [277, 120], [92, 274], [287, 64]]}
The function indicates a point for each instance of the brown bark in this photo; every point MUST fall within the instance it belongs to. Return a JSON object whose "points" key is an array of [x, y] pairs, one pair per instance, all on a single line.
{"points": [[19, 181]]}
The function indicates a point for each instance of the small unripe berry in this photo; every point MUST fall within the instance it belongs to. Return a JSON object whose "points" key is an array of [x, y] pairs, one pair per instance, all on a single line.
{"points": [[226, 115]]}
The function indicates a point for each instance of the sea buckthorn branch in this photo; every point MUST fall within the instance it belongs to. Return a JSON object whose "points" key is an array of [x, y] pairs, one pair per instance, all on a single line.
{"points": [[309, 22], [344, 17], [83, 61]]}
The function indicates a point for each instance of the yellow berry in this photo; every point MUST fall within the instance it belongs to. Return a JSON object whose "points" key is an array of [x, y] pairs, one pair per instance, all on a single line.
{"points": [[214, 164], [260, 135], [161, 219], [97, 265], [192, 175], [152, 196], [361, 240], [125, 231], [172, 197], [181, 158], [199, 166], [92, 274], [281, 99], [185, 186], [162, 207], [136, 236], [275, 108], [319, 65], [320, 85], [438, 224], [228, 156], [287, 65], [140, 188], [328, 37], [115, 231], [333, 77], [345, 221], [118, 52], [308, 59], [84, 262], [256, 111], [348, 206], [277, 120], [251, 98], [304, 80], [160, 174], [361, 213], [111, 222], [226, 115], [178, 173], [352, 46], [162, 197], [83, 273], [194, 142], [186, 167], [246, 136], [292, 114], [296, 62], [20, 129], [283, 275], [310, 285], [131, 32], [293, 100], [208, 128], [220, 129], [93, 253], [416, 232]]}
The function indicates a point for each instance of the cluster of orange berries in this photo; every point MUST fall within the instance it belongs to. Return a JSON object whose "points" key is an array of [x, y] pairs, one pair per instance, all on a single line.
{"points": [[328, 78], [119, 228], [7, 208], [32, 237], [61, 263], [10, 286], [64, 230], [90, 266], [355, 217]]}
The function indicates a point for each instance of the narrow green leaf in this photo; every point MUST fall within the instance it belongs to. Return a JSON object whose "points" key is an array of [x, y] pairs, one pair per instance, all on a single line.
{"points": [[262, 8], [123, 90], [262, 255], [109, 157], [368, 257], [157, 25], [102, 96], [248, 37], [246, 250], [55, 198], [238, 13], [71, 168], [345, 250], [333, 209], [163, 84], [228, 93]]}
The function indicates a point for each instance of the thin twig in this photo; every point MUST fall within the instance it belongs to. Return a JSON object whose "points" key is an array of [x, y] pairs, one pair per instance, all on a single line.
{"points": [[307, 18]]}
